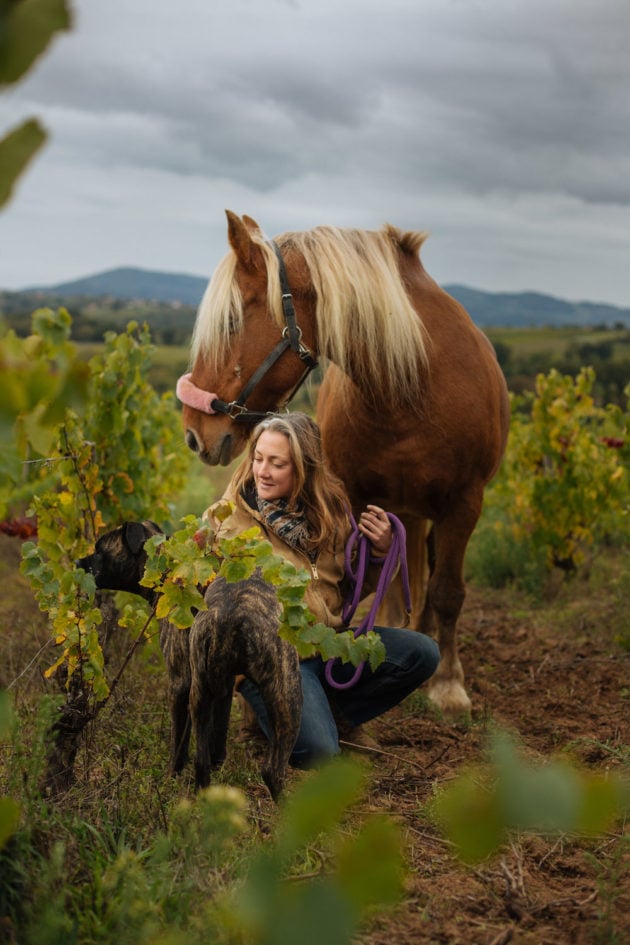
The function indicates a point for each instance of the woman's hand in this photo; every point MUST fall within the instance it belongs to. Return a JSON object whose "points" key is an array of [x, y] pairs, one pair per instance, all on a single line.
{"points": [[375, 525]]}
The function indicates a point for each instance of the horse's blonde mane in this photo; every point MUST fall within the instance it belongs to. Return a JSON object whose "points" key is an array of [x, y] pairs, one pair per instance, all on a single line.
{"points": [[365, 320]]}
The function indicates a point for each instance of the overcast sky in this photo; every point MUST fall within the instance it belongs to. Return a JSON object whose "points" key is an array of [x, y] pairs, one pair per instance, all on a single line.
{"points": [[500, 126]]}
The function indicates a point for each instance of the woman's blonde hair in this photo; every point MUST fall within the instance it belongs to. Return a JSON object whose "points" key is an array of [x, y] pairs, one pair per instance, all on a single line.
{"points": [[317, 491]]}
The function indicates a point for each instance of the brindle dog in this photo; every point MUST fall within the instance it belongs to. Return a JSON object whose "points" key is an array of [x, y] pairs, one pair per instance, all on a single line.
{"points": [[237, 634]]}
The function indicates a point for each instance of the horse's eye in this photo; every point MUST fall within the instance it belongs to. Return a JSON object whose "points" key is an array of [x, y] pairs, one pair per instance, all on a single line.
{"points": [[232, 324]]}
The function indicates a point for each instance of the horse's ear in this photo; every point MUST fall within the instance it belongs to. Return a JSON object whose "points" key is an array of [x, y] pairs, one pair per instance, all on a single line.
{"points": [[240, 238], [251, 224]]}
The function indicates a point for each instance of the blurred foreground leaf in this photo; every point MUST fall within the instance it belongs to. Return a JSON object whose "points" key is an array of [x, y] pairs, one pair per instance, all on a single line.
{"points": [[16, 150], [26, 29], [318, 805], [274, 907], [479, 809]]}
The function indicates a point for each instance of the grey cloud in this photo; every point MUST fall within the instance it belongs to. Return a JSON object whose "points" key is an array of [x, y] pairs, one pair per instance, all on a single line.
{"points": [[349, 108], [488, 107]]}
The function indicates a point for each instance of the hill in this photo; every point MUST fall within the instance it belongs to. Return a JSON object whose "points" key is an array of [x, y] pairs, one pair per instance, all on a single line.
{"points": [[487, 309], [531, 309], [129, 283]]}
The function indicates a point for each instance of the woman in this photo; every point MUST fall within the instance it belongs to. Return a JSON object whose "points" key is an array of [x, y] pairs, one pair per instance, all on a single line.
{"points": [[284, 487]]}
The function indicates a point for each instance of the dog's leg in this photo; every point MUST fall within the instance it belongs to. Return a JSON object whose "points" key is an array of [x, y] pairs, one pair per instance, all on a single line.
{"points": [[211, 718], [282, 694], [180, 727], [201, 716], [283, 731], [221, 706], [212, 683], [175, 647]]}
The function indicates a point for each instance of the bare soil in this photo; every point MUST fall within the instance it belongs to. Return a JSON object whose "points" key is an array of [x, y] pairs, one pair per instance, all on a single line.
{"points": [[556, 690], [555, 676]]}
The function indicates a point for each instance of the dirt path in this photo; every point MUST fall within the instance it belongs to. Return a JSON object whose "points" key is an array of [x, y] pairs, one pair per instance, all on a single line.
{"points": [[553, 691]]}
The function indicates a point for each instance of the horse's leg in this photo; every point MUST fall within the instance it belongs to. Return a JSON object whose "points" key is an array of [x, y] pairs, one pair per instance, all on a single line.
{"points": [[393, 612], [445, 597]]}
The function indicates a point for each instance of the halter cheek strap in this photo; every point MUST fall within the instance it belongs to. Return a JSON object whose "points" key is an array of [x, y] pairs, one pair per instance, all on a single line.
{"points": [[191, 395]]}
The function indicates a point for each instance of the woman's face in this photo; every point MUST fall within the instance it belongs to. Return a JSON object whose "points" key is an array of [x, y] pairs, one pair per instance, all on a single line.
{"points": [[272, 466]]}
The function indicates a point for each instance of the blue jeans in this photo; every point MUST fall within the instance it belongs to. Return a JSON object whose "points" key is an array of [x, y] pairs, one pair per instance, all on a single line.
{"points": [[410, 659]]}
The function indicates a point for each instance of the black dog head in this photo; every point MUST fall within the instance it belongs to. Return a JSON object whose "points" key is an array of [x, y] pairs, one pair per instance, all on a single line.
{"points": [[119, 558]]}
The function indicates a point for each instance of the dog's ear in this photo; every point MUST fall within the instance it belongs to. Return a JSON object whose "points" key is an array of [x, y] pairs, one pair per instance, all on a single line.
{"points": [[134, 536], [152, 528]]}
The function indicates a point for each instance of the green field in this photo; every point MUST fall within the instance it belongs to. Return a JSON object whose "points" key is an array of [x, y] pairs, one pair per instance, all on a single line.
{"points": [[523, 354], [558, 341]]}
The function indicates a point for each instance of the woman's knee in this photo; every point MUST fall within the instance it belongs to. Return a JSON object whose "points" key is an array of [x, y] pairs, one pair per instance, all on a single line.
{"points": [[411, 653], [309, 753], [317, 739]]}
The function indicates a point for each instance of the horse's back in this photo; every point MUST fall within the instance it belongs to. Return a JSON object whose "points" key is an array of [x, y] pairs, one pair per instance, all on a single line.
{"points": [[454, 438]]}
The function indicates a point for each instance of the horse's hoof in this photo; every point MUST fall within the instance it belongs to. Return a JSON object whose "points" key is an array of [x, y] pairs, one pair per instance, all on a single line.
{"points": [[450, 697]]}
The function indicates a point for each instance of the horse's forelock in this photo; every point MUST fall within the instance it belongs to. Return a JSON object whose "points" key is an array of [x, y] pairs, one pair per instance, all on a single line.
{"points": [[220, 313]]}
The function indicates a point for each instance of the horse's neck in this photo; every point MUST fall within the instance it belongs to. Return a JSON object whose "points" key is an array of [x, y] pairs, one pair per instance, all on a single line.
{"points": [[341, 403], [348, 386]]}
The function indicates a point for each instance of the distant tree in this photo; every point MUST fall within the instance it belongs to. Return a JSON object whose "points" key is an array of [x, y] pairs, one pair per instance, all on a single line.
{"points": [[503, 353]]}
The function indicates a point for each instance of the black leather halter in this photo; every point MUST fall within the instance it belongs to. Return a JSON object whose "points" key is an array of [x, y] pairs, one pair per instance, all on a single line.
{"points": [[291, 340]]}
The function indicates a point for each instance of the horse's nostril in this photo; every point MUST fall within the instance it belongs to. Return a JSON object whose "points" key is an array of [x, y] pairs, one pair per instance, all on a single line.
{"points": [[191, 441]]}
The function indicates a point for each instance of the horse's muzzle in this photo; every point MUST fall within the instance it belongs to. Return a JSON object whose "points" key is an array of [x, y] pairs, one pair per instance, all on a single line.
{"points": [[191, 442], [219, 455]]}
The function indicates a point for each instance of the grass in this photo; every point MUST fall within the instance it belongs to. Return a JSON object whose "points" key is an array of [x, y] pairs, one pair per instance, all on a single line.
{"points": [[79, 865]]}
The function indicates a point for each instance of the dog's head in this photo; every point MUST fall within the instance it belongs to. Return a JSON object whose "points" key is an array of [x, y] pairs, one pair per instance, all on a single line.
{"points": [[119, 557]]}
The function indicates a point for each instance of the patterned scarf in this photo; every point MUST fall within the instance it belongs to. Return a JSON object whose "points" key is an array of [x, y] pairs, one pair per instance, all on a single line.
{"points": [[291, 527]]}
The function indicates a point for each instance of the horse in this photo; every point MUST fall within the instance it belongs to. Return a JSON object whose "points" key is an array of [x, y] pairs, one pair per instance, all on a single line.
{"points": [[413, 408]]}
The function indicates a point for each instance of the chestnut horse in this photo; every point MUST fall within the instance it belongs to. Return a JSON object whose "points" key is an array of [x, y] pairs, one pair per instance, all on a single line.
{"points": [[413, 409]]}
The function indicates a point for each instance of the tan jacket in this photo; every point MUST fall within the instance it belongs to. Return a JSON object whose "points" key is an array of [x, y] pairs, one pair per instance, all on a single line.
{"points": [[324, 595]]}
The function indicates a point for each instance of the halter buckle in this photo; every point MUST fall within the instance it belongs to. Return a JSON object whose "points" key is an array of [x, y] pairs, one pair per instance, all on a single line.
{"points": [[234, 410]]}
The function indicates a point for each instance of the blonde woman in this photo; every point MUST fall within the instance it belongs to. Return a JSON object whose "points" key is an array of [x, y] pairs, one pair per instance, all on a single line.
{"points": [[284, 487]]}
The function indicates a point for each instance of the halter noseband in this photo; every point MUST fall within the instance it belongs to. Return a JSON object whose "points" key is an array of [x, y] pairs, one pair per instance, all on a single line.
{"points": [[191, 395]]}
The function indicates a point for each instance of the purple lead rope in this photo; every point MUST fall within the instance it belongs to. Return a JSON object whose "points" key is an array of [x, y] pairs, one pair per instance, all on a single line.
{"points": [[397, 555]]}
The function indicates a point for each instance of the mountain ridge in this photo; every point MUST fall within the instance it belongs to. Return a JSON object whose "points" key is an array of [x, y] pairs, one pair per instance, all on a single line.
{"points": [[130, 283], [487, 309]]}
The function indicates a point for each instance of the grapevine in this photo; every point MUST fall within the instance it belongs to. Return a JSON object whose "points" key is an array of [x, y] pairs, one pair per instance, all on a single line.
{"points": [[117, 458], [564, 483], [181, 567]]}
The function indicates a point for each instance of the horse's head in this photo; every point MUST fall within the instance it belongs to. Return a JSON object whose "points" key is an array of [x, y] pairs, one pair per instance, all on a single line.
{"points": [[248, 352]]}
